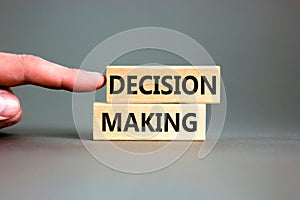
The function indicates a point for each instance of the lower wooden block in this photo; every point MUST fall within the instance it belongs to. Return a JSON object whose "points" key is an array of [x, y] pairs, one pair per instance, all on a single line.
{"points": [[149, 121]]}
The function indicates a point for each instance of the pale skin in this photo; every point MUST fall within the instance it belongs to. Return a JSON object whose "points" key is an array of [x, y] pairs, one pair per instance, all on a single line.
{"points": [[18, 70]]}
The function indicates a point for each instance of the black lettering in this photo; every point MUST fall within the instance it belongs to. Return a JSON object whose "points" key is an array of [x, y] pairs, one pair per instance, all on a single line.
{"points": [[131, 84], [184, 85], [168, 118], [131, 122], [156, 84], [177, 78], [141, 86], [212, 88], [122, 85], [193, 124], [166, 84], [146, 122], [158, 122], [111, 126]]}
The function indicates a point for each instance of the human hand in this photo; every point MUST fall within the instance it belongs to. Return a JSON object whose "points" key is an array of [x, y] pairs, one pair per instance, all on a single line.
{"points": [[18, 70]]}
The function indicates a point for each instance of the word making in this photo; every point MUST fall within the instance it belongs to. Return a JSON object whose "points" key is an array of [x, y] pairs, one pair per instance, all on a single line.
{"points": [[149, 121]]}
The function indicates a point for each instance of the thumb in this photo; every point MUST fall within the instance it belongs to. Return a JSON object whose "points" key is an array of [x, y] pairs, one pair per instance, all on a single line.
{"points": [[9, 105]]}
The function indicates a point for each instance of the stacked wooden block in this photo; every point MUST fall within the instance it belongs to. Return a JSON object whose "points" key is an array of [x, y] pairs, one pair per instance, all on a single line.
{"points": [[156, 102]]}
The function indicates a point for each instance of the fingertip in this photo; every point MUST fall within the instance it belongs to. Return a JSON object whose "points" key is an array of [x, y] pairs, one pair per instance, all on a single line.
{"points": [[102, 81], [86, 81]]}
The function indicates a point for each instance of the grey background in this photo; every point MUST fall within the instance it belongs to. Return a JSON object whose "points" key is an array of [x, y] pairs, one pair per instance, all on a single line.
{"points": [[257, 43]]}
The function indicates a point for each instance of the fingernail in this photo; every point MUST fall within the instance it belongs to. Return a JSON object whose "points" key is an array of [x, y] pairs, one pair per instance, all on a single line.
{"points": [[88, 81], [95, 77], [9, 106], [101, 81]]}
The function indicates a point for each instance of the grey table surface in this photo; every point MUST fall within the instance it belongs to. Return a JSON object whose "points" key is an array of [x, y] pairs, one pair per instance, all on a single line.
{"points": [[51, 164]]}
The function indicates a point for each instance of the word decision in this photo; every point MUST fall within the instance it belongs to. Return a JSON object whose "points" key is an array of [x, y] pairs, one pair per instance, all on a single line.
{"points": [[162, 84], [156, 102]]}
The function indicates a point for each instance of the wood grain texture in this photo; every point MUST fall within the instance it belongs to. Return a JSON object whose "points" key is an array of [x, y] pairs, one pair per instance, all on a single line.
{"points": [[204, 96], [191, 121]]}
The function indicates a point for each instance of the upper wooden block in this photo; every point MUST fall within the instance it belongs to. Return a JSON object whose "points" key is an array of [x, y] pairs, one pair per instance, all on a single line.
{"points": [[163, 84]]}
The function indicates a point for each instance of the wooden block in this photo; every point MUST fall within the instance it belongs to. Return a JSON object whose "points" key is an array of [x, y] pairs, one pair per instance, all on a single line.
{"points": [[149, 121], [163, 84]]}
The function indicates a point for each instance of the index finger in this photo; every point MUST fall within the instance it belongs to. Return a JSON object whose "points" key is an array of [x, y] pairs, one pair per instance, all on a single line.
{"points": [[28, 69]]}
